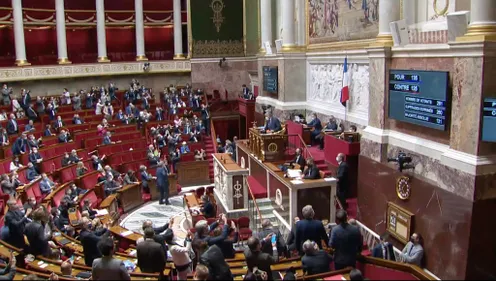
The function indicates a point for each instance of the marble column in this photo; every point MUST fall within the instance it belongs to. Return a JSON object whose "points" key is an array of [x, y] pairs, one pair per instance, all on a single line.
{"points": [[100, 31], [482, 18], [178, 31], [61, 38], [301, 23], [266, 23], [140, 31], [410, 11], [288, 25], [389, 11], [20, 45]]}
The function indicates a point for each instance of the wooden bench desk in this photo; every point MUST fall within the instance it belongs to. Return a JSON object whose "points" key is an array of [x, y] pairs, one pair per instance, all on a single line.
{"points": [[130, 197]]}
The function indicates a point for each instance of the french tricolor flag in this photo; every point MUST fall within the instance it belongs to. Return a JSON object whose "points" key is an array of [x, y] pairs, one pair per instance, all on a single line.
{"points": [[345, 91]]}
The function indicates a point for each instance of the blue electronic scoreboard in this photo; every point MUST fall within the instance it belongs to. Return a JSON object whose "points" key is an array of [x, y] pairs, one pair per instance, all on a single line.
{"points": [[270, 79], [489, 120], [419, 97]]}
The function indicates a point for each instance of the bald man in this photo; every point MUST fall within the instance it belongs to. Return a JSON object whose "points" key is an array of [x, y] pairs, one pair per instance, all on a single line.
{"points": [[66, 269]]}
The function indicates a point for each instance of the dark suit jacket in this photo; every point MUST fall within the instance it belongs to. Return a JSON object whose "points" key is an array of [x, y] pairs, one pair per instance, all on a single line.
{"points": [[311, 173], [300, 160], [33, 157], [89, 241], [261, 260], [31, 174], [56, 124], [208, 210], [377, 252], [18, 146], [319, 262], [38, 242], [162, 177], [16, 223], [11, 129], [107, 268], [312, 230], [273, 124], [151, 256], [267, 246], [24, 101], [63, 138], [47, 133], [31, 113], [347, 243], [316, 124], [342, 175]]}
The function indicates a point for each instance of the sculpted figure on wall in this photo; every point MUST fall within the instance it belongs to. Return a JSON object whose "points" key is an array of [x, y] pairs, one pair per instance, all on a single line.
{"points": [[326, 82]]}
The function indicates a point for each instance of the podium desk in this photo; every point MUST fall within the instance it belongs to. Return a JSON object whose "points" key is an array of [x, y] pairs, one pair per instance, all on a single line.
{"points": [[268, 147], [130, 197], [230, 185], [289, 196], [334, 145], [299, 129]]}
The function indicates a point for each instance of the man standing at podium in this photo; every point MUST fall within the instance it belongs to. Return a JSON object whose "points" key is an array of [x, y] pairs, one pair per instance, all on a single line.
{"points": [[342, 177], [272, 124]]}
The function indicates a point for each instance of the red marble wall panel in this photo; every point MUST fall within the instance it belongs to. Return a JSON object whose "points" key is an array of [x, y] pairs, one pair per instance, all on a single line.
{"points": [[442, 218]]}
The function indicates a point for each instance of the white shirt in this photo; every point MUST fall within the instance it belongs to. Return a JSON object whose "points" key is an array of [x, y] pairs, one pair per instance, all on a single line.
{"points": [[14, 167], [98, 110], [67, 96], [180, 255]]}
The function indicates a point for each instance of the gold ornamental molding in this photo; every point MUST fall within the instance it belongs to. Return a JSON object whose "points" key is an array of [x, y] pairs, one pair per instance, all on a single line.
{"points": [[217, 48], [218, 19], [28, 72]]}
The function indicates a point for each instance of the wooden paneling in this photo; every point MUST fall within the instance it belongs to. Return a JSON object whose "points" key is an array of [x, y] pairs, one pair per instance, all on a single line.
{"points": [[193, 173]]}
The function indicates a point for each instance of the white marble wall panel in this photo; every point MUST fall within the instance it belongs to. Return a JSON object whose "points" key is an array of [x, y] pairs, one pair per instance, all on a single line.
{"points": [[324, 84]]}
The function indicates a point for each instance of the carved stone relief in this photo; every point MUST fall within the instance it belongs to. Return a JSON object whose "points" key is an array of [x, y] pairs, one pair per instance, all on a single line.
{"points": [[326, 82]]}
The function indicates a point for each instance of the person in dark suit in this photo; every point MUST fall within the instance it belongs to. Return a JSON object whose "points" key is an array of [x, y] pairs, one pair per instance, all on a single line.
{"points": [[150, 254], [384, 249], [312, 172], [342, 180], [272, 123], [111, 186], [35, 158], [265, 237], [163, 183], [9, 271], [31, 173], [106, 139], [35, 233], [25, 100], [46, 185], [33, 142], [205, 114], [63, 137], [87, 207], [48, 131], [208, 209], [346, 241], [51, 112], [291, 241], [20, 144], [145, 178], [317, 128], [31, 113], [315, 261], [107, 267], [309, 229], [4, 137], [89, 240], [299, 159], [77, 120], [256, 258], [7, 185], [16, 221], [12, 126], [58, 124]]}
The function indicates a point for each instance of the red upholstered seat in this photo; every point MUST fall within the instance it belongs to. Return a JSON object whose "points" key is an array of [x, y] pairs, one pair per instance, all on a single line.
{"points": [[244, 228], [187, 157]]}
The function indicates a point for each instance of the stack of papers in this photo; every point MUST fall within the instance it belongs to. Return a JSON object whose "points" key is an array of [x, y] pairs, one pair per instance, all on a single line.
{"points": [[296, 181], [102, 212], [294, 173], [127, 233]]}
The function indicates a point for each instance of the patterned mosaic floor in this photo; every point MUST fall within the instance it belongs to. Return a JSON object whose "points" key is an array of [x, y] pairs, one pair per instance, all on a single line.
{"points": [[159, 215]]}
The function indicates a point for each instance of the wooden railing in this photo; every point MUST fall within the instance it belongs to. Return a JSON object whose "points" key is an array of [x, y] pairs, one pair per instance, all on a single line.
{"points": [[255, 210], [213, 135]]}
